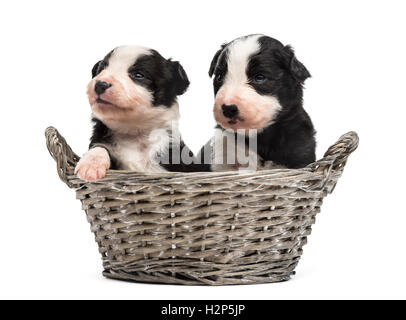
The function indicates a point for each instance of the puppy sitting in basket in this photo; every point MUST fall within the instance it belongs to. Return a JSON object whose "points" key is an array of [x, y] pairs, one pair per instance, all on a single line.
{"points": [[261, 123], [135, 113]]}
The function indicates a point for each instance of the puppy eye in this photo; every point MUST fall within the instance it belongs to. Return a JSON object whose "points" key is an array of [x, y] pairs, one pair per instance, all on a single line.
{"points": [[138, 75], [259, 78]]}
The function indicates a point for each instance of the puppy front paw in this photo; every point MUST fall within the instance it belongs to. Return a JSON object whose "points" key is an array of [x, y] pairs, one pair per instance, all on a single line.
{"points": [[93, 165]]}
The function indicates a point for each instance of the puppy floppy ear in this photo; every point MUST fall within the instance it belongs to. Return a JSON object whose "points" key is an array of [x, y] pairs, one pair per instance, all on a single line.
{"points": [[180, 80], [215, 59], [96, 69], [290, 62]]}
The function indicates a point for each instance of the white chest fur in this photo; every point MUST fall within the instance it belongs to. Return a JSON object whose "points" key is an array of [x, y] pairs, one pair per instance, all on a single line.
{"points": [[140, 152]]}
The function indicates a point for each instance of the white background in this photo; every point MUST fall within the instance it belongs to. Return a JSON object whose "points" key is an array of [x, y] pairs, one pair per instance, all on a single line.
{"points": [[356, 53]]}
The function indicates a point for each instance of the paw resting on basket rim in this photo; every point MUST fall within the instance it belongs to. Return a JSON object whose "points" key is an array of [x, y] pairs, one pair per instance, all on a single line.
{"points": [[93, 165]]}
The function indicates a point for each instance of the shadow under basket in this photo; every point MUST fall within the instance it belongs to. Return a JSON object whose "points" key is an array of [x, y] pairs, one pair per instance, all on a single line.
{"points": [[203, 228]]}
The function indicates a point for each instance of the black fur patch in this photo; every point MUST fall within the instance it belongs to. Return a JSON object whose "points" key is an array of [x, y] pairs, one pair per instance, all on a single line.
{"points": [[289, 142], [166, 79]]}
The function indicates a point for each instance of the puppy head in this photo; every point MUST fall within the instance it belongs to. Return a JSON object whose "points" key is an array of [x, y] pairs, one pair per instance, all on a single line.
{"points": [[136, 87], [256, 79]]}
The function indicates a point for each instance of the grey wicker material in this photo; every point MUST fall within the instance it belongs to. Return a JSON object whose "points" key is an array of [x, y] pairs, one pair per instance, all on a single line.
{"points": [[203, 228]]}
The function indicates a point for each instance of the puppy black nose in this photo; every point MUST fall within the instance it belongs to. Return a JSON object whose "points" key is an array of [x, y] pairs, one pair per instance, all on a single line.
{"points": [[229, 111], [101, 86]]}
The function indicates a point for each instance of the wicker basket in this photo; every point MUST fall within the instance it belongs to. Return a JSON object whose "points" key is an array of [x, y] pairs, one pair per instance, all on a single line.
{"points": [[203, 228]]}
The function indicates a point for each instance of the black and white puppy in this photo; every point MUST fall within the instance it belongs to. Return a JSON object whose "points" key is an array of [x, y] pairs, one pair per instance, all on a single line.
{"points": [[258, 85], [133, 95]]}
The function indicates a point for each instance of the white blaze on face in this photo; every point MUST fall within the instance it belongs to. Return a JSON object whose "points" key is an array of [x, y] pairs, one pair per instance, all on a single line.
{"points": [[239, 53], [255, 111], [124, 57]]}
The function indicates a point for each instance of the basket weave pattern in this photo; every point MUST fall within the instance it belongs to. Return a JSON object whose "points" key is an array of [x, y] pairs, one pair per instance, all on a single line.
{"points": [[203, 228]]}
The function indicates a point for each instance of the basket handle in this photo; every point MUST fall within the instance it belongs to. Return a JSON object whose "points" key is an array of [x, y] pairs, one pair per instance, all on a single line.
{"points": [[335, 158], [62, 153]]}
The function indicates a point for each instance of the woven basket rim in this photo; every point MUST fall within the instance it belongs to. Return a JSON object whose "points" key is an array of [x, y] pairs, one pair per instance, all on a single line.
{"points": [[112, 174], [66, 159]]}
